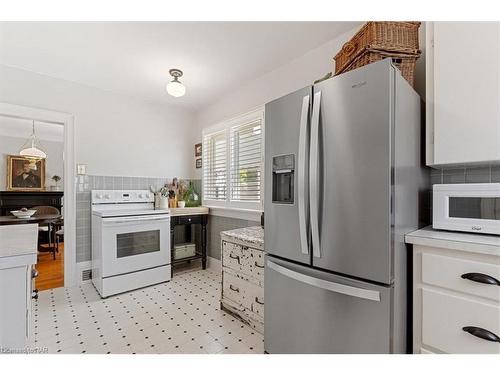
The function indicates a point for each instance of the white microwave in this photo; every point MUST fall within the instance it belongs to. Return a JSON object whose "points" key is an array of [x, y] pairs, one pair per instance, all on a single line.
{"points": [[467, 207]]}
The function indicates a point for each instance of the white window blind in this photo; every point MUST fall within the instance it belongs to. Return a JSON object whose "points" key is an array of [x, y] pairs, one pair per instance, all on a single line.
{"points": [[246, 162], [215, 166]]}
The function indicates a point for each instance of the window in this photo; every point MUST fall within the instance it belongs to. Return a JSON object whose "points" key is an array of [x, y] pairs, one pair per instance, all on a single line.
{"points": [[233, 162], [214, 166]]}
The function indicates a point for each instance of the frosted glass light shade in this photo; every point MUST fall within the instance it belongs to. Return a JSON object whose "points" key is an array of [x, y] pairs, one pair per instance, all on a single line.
{"points": [[176, 89], [33, 152]]}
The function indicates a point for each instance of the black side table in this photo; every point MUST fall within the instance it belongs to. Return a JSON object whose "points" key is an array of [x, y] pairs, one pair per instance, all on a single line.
{"points": [[187, 221]]}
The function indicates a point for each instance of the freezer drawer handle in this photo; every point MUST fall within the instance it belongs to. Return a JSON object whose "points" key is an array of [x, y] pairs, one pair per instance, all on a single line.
{"points": [[481, 278], [234, 289], [482, 333], [372, 295], [257, 300]]}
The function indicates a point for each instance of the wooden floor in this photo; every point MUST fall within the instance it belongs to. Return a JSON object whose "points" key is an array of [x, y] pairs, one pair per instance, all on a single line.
{"points": [[50, 271]]}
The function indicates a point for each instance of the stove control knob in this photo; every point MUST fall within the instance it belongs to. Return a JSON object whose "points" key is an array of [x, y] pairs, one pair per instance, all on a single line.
{"points": [[107, 196], [147, 195], [98, 196], [141, 195]]}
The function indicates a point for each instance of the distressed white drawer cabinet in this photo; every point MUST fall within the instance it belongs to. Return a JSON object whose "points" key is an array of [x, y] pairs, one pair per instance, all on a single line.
{"points": [[456, 292], [243, 275]]}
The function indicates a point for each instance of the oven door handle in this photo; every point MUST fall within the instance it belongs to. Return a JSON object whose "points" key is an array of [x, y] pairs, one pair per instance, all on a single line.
{"points": [[141, 219]]}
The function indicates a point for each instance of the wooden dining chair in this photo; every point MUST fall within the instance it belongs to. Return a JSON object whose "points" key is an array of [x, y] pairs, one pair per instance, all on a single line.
{"points": [[43, 229]]}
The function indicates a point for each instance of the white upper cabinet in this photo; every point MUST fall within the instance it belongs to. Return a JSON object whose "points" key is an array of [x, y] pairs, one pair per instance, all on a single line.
{"points": [[463, 92]]}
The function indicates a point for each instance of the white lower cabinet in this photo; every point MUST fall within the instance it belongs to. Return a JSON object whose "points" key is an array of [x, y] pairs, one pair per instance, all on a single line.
{"points": [[243, 282], [16, 293], [456, 297]]}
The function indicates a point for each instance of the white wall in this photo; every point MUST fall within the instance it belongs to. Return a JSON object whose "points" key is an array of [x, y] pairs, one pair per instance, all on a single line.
{"points": [[53, 163], [298, 73], [115, 135]]}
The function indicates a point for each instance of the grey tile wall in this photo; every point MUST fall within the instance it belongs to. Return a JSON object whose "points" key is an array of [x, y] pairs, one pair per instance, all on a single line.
{"points": [[466, 175], [217, 224], [84, 184]]}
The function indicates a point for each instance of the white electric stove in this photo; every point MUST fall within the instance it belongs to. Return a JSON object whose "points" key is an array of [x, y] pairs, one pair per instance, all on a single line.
{"points": [[130, 241]]}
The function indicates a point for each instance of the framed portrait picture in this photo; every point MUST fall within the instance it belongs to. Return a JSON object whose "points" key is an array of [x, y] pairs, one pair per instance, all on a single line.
{"points": [[198, 163], [25, 174], [197, 150]]}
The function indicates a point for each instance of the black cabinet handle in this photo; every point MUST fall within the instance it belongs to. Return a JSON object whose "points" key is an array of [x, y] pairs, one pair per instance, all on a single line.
{"points": [[258, 265], [480, 278], [482, 333], [34, 294], [234, 289], [257, 300], [234, 257]]}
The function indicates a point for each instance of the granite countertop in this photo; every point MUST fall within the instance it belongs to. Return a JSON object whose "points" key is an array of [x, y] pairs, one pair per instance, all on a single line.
{"points": [[253, 236], [470, 242]]}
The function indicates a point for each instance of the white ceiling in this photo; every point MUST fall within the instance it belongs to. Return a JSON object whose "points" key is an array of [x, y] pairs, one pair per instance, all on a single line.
{"points": [[133, 58], [22, 128]]}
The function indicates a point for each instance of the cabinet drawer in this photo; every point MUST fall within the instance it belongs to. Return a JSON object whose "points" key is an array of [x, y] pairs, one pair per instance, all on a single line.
{"points": [[231, 256], [182, 220], [236, 290], [243, 259], [443, 319], [456, 274], [258, 301]]}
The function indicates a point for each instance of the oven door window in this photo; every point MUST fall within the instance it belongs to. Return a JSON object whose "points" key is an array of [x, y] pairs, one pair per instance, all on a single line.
{"points": [[486, 208], [136, 243]]}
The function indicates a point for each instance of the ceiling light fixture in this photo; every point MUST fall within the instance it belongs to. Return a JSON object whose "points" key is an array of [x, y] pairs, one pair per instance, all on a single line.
{"points": [[176, 88], [31, 148]]}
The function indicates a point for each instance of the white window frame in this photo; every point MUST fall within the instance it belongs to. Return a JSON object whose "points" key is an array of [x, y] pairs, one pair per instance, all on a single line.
{"points": [[228, 207]]}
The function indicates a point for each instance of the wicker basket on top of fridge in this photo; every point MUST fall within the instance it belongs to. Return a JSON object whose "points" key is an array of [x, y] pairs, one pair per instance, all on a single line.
{"points": [[378, 40]]}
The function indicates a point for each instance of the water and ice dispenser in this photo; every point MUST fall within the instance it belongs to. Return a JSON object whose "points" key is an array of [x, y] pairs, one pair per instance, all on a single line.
{"points": [[283, 176]]}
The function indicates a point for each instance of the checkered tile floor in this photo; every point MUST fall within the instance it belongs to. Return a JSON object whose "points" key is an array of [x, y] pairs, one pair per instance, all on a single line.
{"points": [[182, 316]]}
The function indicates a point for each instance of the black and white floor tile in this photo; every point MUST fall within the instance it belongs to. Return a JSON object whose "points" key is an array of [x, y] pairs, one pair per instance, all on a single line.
{"points": [[181, 316]]}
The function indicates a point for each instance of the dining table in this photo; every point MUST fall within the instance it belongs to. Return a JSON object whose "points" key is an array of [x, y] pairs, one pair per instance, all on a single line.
{"points": [[38, 219]]}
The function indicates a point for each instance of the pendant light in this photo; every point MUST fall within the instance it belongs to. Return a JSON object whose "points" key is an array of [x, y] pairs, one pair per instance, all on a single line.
{"points": [[31, 148], [175, 87]]}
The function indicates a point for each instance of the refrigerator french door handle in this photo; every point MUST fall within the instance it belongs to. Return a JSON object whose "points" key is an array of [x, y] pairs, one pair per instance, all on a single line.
{"points": [[314, 175], [372, 295], [301, 177]]}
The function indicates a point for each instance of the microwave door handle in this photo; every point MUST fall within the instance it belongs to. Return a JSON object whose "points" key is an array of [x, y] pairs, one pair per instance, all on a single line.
{"points": [[302, 176], [372, 295], [314, 175]]}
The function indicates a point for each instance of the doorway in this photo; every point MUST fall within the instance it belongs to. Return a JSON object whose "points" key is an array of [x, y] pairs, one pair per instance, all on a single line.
{"points": [[50, 191]]}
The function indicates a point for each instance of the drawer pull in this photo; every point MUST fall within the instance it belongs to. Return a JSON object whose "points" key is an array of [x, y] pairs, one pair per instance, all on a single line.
{"points": [[34, 294], [237, 257], [482, 333], [480, 278], [34, 273], [258, 265], [257, 300], [234, 289]]}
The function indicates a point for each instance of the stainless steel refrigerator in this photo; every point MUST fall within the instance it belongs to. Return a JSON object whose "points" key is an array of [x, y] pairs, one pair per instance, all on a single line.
{"points": [[342, 182]]}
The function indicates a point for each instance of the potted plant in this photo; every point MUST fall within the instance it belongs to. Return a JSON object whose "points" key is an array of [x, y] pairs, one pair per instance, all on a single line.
{"points": [[56, 180]]}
